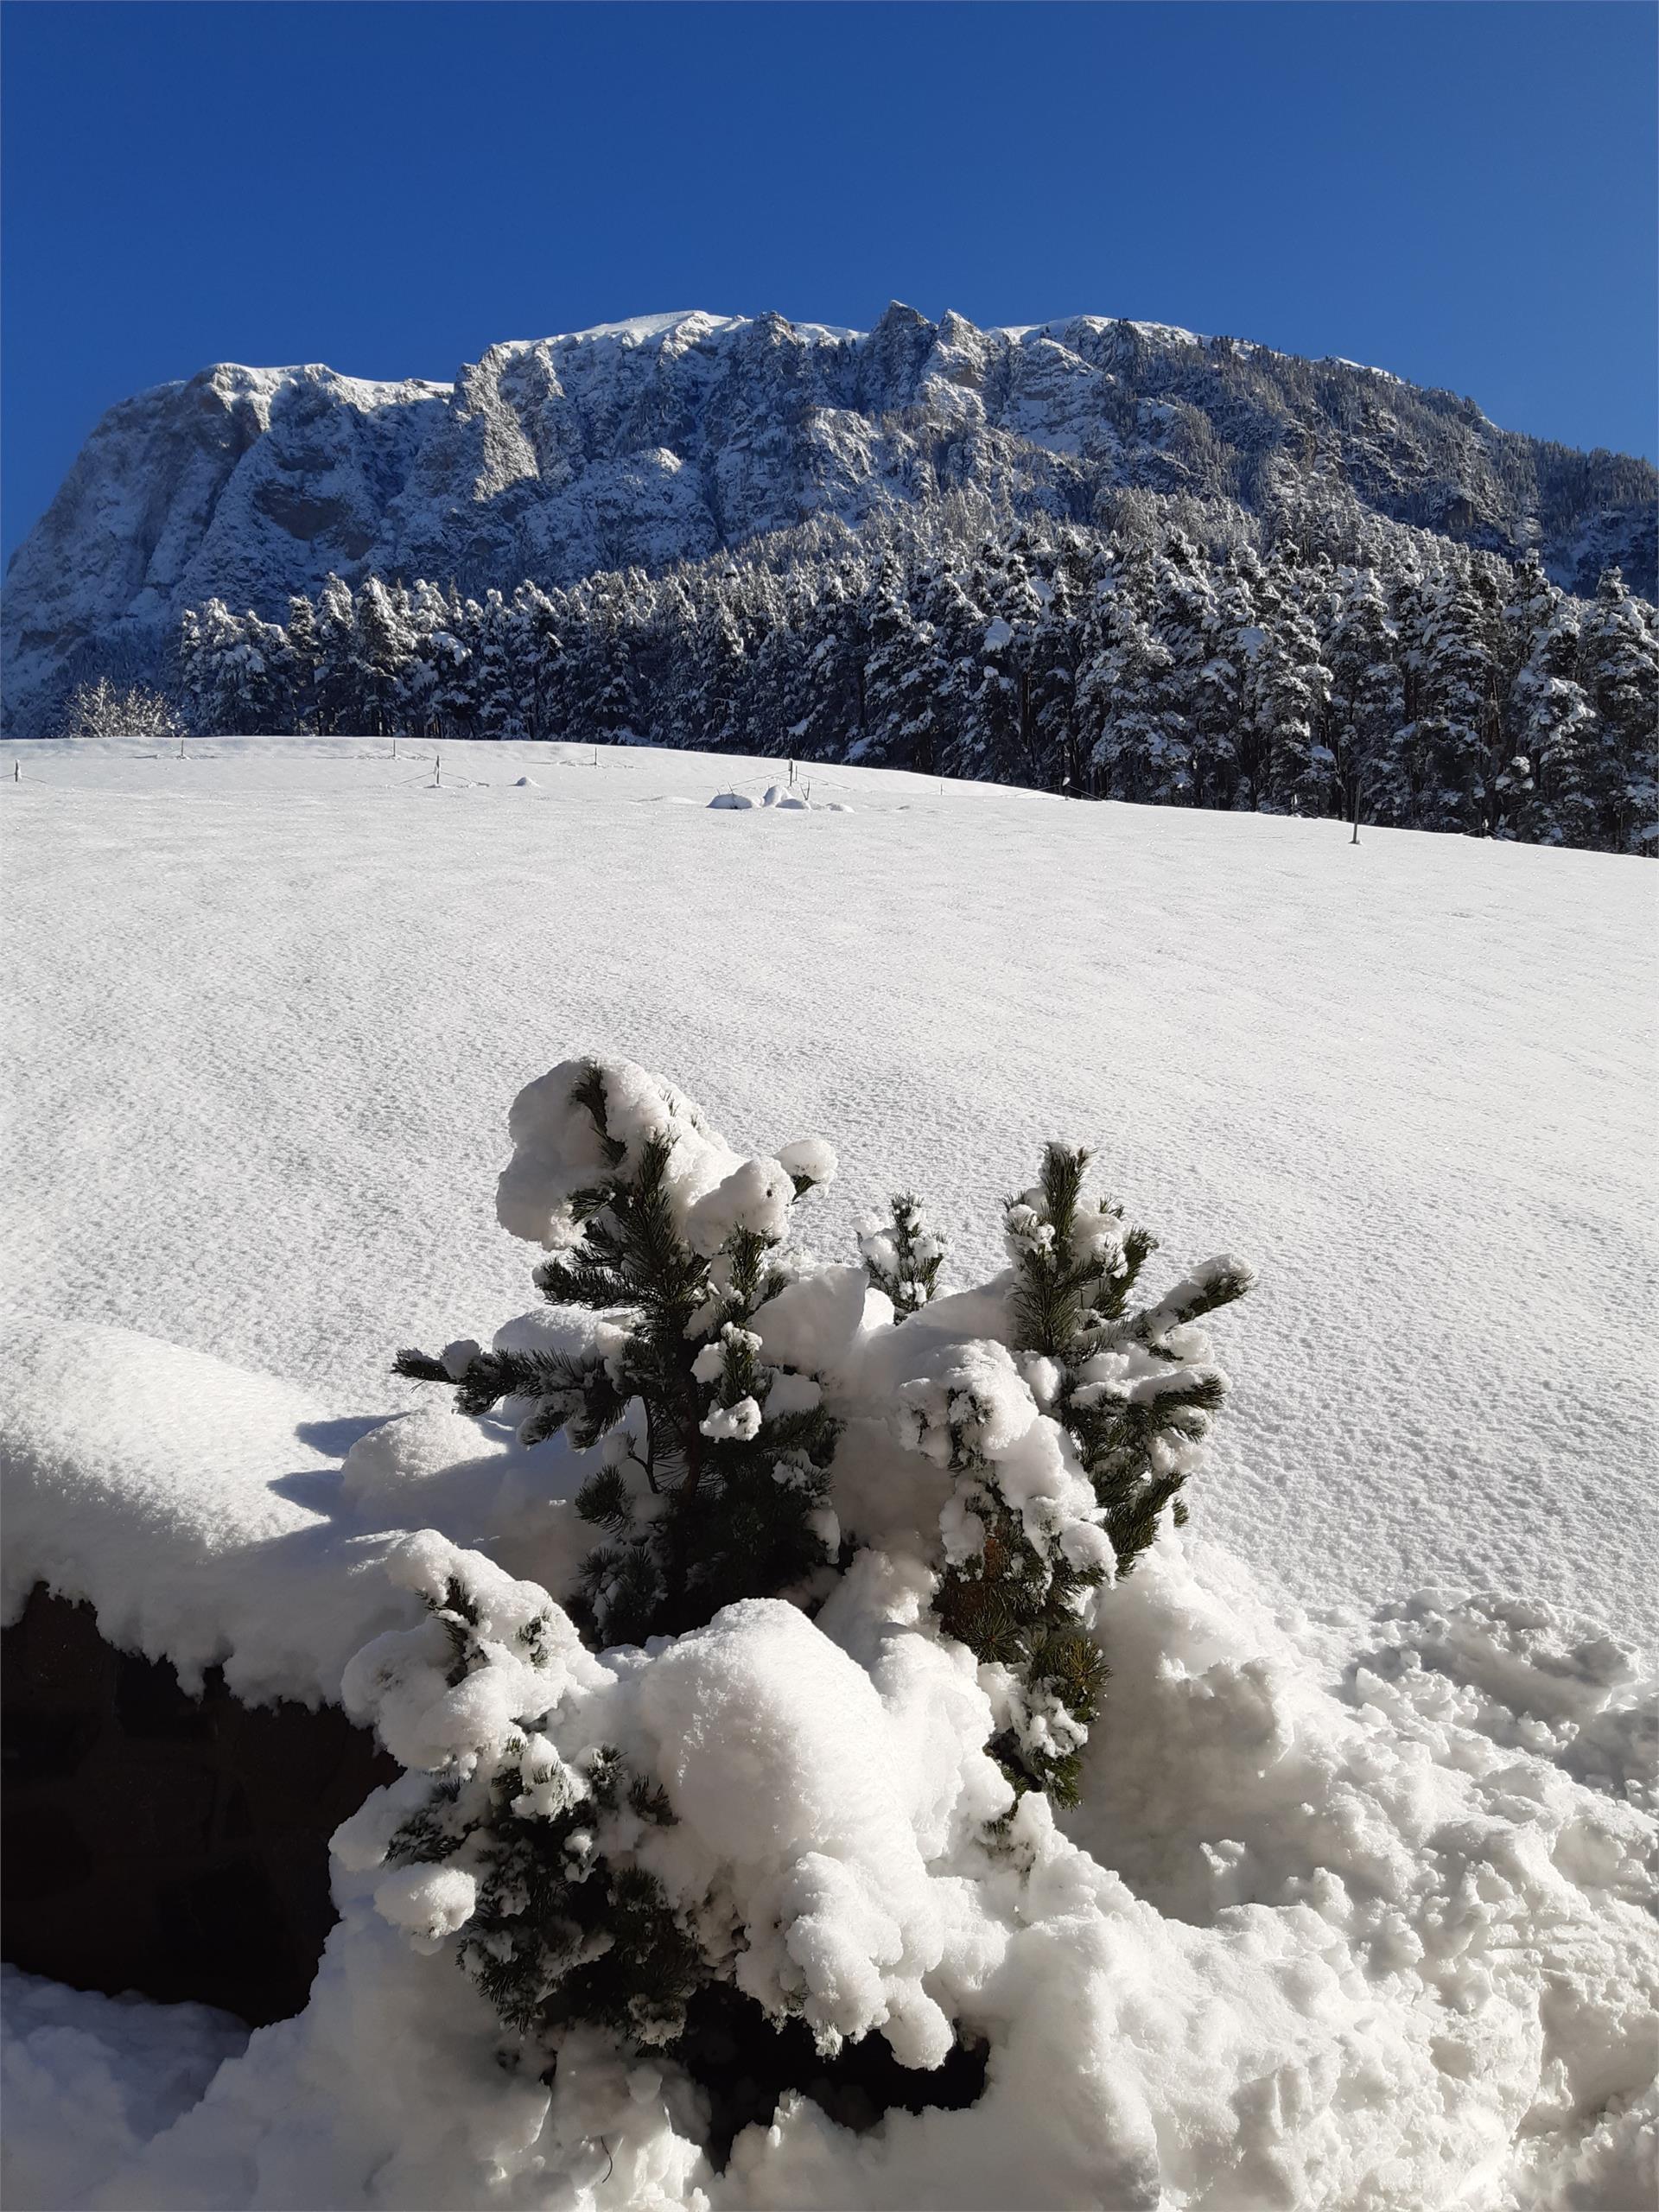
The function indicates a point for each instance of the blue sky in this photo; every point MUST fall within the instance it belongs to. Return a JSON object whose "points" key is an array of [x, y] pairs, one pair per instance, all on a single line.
{"points": [[1462, 192]]}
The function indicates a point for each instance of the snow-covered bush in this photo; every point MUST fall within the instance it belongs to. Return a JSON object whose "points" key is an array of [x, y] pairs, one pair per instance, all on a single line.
{"points": [[710, 1482], [107, 709], [802, 1476]]}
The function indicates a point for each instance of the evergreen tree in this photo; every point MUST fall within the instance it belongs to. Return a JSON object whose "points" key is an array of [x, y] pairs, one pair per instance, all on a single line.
{"points": [[1365, 705], [338, 696], [707, 1494], [1135, 1395], [303, 655], [1292, 690], [1619, 671], [1141, 746], [382, 646], [1550, 724], [495, 689], [693, 1361]]}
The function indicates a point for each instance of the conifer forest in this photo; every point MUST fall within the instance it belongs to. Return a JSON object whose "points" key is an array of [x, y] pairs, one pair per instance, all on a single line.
{"points": [[1330, 665]]}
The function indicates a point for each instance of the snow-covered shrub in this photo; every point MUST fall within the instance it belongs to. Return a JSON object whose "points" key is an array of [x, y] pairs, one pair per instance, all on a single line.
{"points": [[710, 1482], [759, 1428], [902, 1256], [107, 709]]}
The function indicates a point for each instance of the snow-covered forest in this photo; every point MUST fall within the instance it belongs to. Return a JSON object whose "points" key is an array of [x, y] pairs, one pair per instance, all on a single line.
{"points": [[1334, 665]]}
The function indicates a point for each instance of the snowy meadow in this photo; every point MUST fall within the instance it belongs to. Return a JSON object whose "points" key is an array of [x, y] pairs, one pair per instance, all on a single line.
{"points": [[1355, 1909]]}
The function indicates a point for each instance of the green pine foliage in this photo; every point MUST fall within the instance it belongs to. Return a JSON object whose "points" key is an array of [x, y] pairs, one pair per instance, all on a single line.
{"points": [[559, 1933], [1068, 1436], [902, 1256], [703, 1495], [1135, 1395], [1015, 1602]]}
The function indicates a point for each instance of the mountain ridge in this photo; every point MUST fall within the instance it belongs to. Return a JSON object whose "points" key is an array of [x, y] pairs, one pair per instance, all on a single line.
{"points": [[672, 437]]}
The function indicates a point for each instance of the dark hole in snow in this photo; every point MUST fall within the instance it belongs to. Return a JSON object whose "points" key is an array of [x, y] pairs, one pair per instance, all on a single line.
{"points": [[745, 2064], [162, 1843]]}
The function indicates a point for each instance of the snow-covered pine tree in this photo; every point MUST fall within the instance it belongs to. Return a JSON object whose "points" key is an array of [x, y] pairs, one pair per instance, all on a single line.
{"points": [[1139, 747], [713, 1484], [302, 661], [496, 691], [537, 653], [1365, 708], [1549, 724], [554, 1930], [1136, 1390], [729, 1399], [902, 1256], [1619, 670], [1134, 1394], [383, 646], [338, 689], [101, 708], [454, 699], [1292, 685]]}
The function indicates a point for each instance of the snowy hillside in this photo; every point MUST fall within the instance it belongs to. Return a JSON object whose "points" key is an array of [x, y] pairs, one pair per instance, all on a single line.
{"points": [[672, 437], [1354, 1910], [275, 1001]]}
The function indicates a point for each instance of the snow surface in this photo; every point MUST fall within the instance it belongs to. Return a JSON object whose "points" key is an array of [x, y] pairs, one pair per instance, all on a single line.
{"points": [[266, 1004], [1358, 1909], [88, 2080]]}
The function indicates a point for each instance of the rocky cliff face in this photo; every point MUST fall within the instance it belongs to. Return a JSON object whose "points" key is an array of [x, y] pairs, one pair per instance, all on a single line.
{"points": [[671, 437]]}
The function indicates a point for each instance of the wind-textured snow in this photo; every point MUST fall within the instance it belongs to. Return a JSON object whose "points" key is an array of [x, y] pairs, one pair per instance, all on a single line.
{"points": [[264, 1009], [1358, 1909]]}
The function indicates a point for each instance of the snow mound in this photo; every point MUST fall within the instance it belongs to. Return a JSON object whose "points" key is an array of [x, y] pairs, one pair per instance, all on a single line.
{"points": [[88, 2080], [732, 802], [205, 1514], [1357, 1910]]}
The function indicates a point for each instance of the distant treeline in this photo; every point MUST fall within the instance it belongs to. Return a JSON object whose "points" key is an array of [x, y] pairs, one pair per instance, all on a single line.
{"points": [[1420, 685]]}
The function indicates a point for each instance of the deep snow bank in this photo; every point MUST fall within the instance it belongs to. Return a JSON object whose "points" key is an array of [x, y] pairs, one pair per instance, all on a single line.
{"points": [[1356, 1913], [1356, 1917]]}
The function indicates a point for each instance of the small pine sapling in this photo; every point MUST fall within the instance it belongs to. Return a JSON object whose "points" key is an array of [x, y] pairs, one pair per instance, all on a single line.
{"points": [[524, 1853], [902, 1256], [1134, 1394], [713, 1482], [1136, 1391]]}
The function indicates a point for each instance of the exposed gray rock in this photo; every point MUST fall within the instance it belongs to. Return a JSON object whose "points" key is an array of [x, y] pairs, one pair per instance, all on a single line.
{"points": [[670, 437]]}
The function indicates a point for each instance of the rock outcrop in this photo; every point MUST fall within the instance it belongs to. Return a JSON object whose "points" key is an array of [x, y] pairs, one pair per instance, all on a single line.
{"points": [[671, 437]]}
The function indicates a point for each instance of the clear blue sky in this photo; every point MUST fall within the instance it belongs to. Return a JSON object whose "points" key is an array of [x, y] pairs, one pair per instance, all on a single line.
{"points": [[1464, 192]]}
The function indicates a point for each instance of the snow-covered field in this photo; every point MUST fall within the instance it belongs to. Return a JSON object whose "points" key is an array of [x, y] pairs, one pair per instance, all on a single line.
{"points": [[266, 1010], [1376, 1940]]}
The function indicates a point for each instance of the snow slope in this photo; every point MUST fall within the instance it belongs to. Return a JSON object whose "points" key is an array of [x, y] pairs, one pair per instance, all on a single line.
{"points": [[264, 1010], [1357, 1910]]}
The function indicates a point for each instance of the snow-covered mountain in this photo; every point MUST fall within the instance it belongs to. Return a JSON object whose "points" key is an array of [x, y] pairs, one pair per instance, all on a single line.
{"points": [[671, 436]]}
